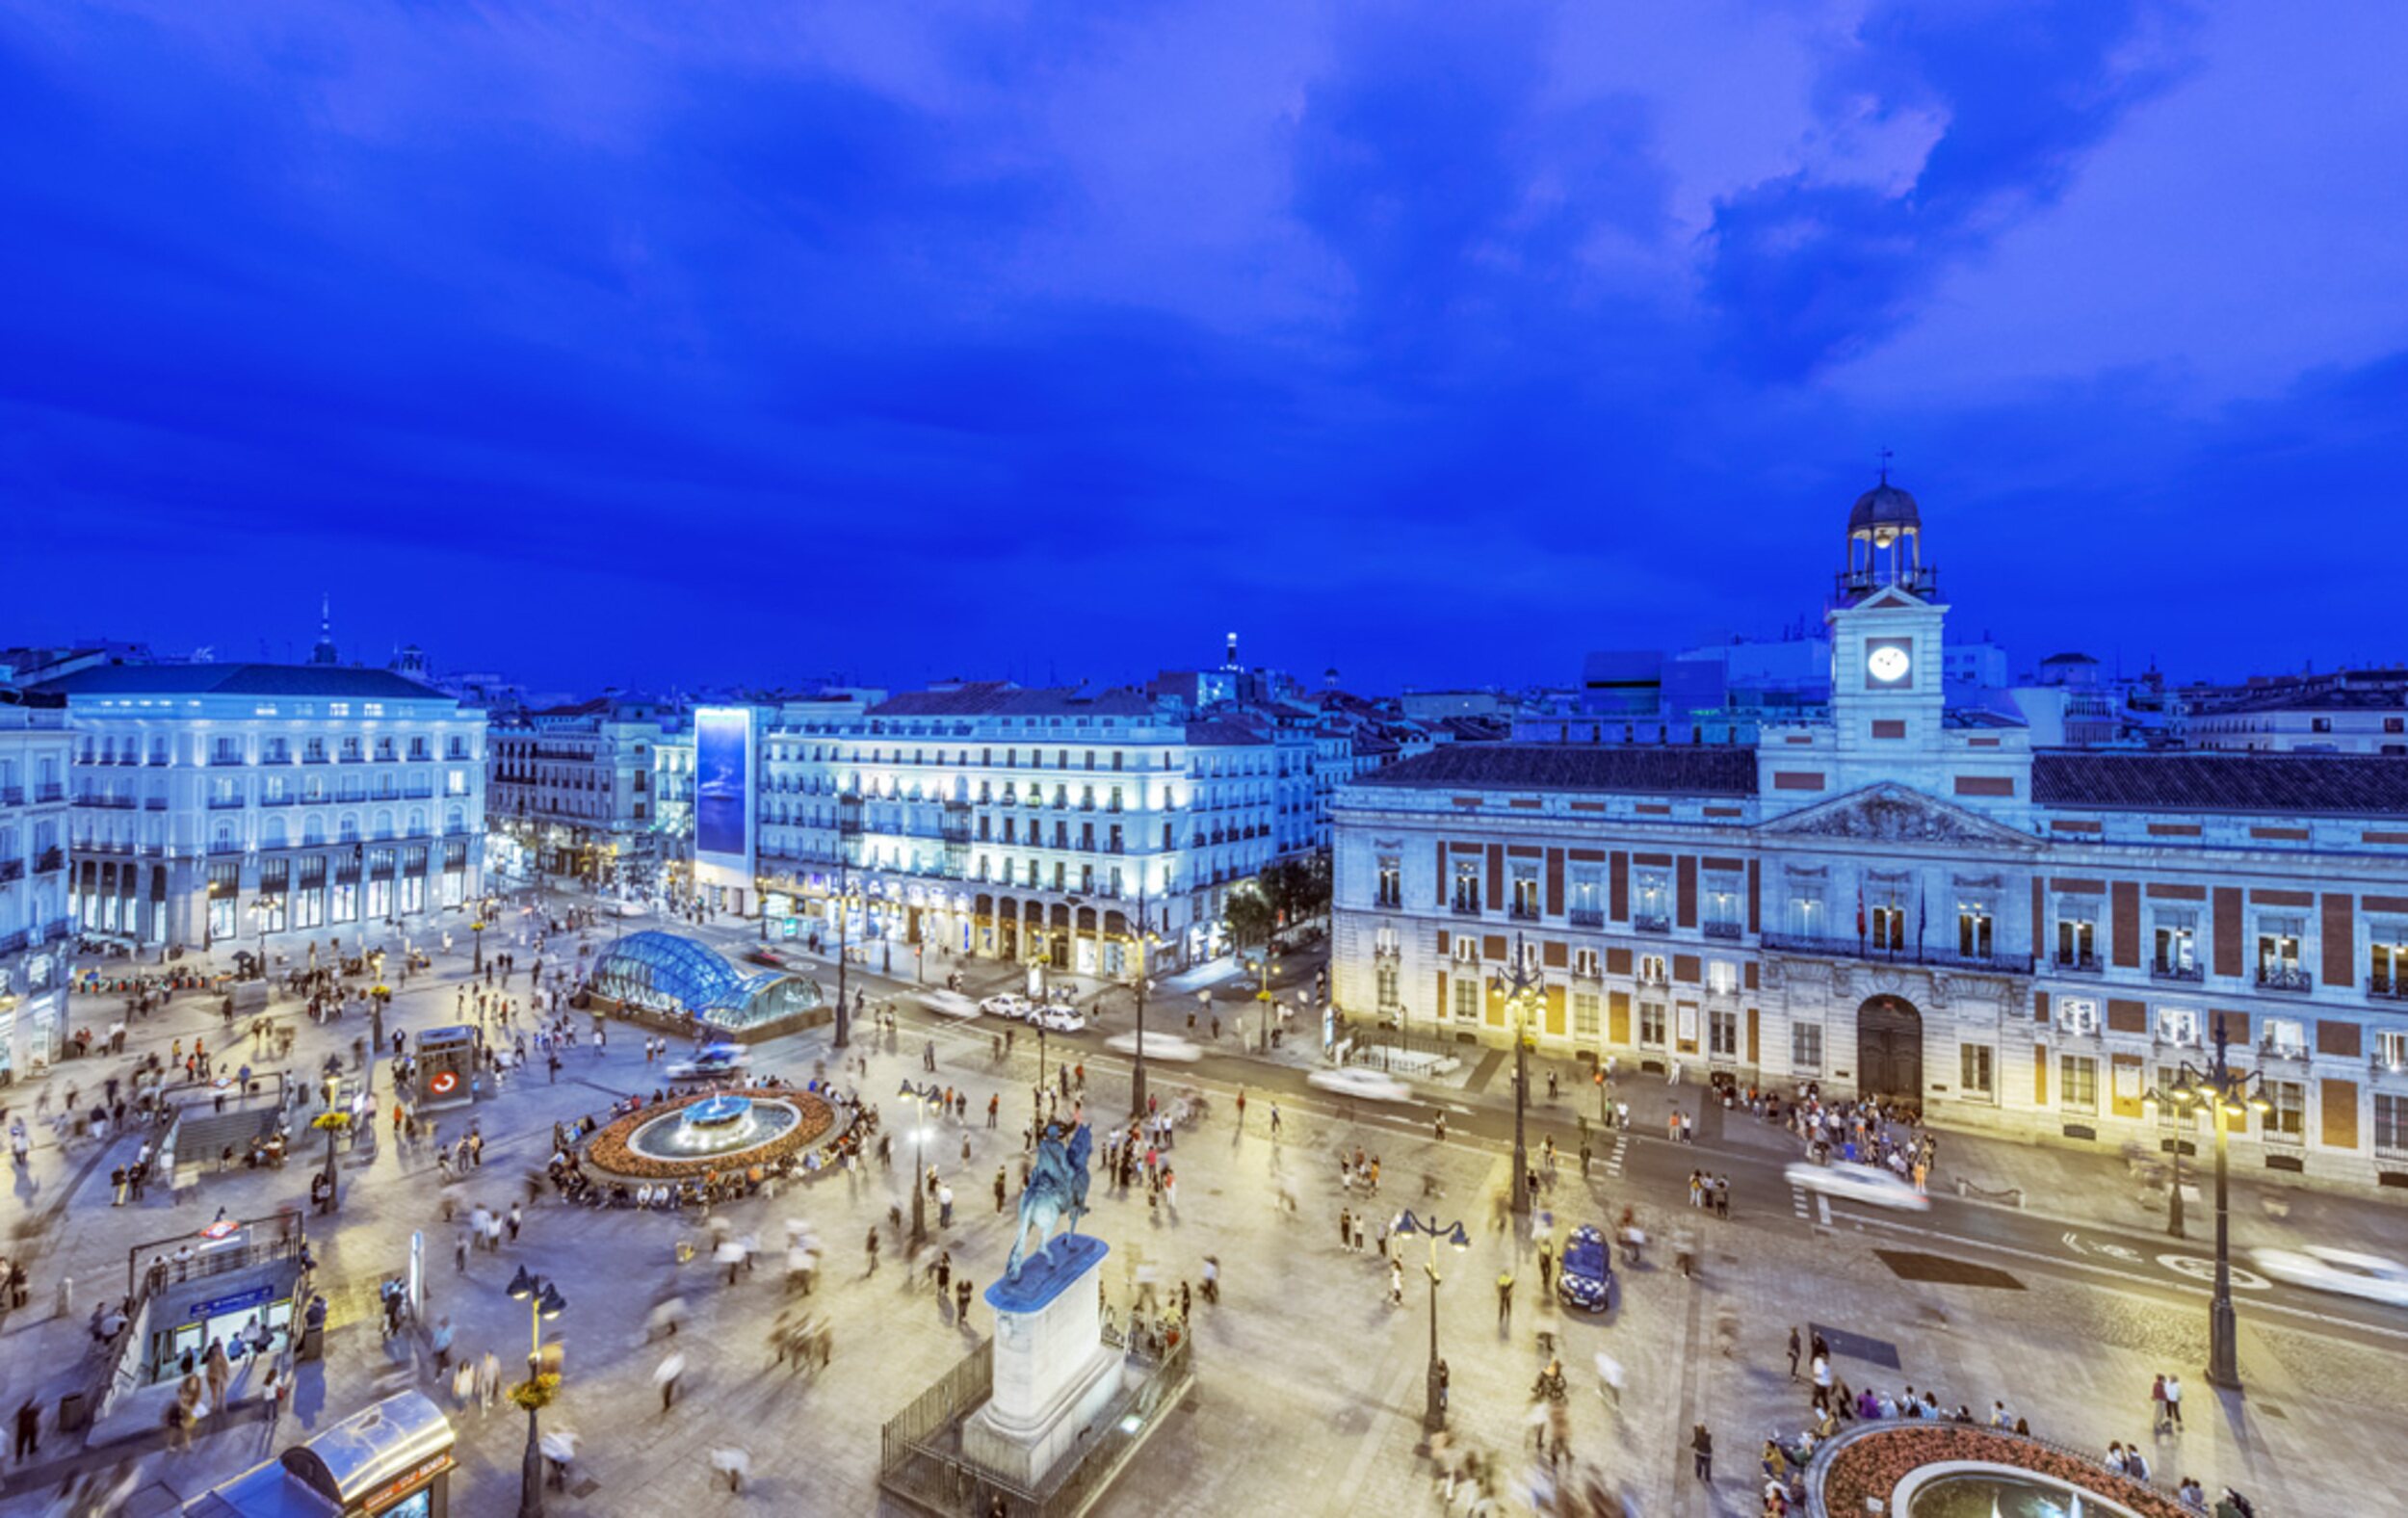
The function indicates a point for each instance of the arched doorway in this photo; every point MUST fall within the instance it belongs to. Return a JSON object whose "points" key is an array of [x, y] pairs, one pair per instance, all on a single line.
{"points": [[1890, 1049]]}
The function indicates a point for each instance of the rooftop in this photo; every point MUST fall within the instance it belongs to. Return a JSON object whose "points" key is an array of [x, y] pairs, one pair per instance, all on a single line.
{"points": [[2326, 785], [1561, 767], [241, 679], [1002, 698]]}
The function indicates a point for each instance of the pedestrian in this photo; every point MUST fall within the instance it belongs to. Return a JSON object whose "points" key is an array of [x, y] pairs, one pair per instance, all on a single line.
{"points": [[1505, 1299], [872, 1249], [27, 1428], [1792, 1352], [2174, 1400], [1701, 1447], [1396, 1284], [2157, 1406], [1346, 1230], [666, 1375], [515, 1221]]}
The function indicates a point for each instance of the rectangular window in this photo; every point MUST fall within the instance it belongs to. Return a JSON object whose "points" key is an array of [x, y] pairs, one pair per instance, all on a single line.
{"points": [[2278, 949], [1972, 930], [1524, 903], [2288, 1123], [2391, 1124], [221, 915], [1585, 966], [2391, 1047], [1384, 983], [1466, 886], [2077, 1083], [2078, 1015], [1972, 1071], [309, 903], [2176, 937], [2387, 967], [413, 895], [1651, 1024], [2177, 1025], [1391, 881], [1887, 927], [1722, 976], [1651, 906], [1585, 908], [1722, 1031], [2285, 1035], [342, 903], [2078, 932], [1806, 1047], [1584, 1019], [1467, 999], [379, 898]]}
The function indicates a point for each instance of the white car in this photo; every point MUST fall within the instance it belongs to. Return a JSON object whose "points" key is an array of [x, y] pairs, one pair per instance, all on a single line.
{"points": [[716, 1061], [949, 1004], [1061, 1020], [1368, 1085], [1158, 1046], [1008, 1003], [2323, 1270], [1868, 1184]]}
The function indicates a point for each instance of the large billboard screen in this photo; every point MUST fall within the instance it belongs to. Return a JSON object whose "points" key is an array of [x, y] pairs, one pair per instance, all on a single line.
{"points": [[723, 761]]}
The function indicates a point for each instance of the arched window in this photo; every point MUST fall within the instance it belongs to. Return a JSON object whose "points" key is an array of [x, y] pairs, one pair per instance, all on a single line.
{"points": [[271, 832], [417, 821], [347, 828], [384, 822], [313, 831]]}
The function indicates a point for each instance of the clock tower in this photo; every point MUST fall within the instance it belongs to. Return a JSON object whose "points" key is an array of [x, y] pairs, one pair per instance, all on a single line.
{"points": [[1885, 622]]}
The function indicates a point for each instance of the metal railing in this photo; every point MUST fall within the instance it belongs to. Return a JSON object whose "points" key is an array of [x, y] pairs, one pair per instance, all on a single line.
{"points": [[1716, 930], [1861, 948], [1585, 917], [2283, 977], [2191, 973], [1647, 922]]}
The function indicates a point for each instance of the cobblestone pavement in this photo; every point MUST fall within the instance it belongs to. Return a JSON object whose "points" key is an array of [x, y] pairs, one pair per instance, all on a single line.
{"points": [[1310, 1382]]}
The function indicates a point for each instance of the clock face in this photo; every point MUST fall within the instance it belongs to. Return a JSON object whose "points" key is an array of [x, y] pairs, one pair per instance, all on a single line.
{"points": [[1887, 663]]}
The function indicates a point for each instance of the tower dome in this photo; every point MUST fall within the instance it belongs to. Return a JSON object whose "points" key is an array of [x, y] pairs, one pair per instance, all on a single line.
{"points": [[1883, 513], [1885, 543]]}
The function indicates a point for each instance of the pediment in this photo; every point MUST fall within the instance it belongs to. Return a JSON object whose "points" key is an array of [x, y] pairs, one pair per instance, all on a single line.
{"points": [[1892, 813], [1891, 601]]}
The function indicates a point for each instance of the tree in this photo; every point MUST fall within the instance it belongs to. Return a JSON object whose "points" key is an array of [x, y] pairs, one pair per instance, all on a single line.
{"points": [[1248, 913]]}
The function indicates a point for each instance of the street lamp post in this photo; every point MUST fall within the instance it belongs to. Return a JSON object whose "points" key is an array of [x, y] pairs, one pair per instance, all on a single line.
{"points": [[475, 930], [262, 910], [1144, 940], [921, 1096], [1516, 987], [1435, 1408], [837, 897], [2227, 1093], [544, 1301]]}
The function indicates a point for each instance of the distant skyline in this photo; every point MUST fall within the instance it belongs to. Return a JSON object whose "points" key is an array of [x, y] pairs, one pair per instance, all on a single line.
{"points": [[664, 347]]}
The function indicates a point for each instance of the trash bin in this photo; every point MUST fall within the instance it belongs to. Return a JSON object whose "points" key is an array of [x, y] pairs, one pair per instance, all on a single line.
{"points": [[72, 1413], [312, 1345]]}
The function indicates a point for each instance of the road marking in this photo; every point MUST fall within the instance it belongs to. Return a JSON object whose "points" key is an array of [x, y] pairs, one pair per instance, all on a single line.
{"points": [[1797, 1202], [1613, 1161], [1822, 1209], [2155, 1282]]}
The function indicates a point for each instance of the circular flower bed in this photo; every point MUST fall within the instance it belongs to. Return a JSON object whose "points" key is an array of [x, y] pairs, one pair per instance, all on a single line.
{"points": [[608, 1149], [1873, 1461]]}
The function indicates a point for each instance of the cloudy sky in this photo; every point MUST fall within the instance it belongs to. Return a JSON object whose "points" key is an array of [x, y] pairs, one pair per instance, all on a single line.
{"points": [[747, 342]]}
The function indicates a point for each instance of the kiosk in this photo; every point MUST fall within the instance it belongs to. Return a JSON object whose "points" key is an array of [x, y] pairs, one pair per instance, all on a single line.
{"points": [[448, 1059], [392, 1460]]}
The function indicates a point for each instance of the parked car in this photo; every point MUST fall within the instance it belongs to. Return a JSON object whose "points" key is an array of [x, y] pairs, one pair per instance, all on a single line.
{"points": [[1368, 1085], [1868, 1184], [1584, 1271], [1008, 1003], [711, 1062], [2341, 1271]]}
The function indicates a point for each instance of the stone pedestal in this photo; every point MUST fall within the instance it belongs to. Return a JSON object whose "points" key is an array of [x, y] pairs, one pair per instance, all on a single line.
{"points": [[1054, 1373]]}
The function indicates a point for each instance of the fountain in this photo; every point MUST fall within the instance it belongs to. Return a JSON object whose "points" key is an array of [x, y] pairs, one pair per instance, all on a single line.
{"points": [[715, 1127]]}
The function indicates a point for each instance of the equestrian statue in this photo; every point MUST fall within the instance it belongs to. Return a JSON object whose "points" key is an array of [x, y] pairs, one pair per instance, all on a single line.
{"points": [[1055, 1193]]}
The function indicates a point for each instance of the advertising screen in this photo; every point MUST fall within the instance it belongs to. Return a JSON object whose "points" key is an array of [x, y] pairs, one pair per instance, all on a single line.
{"points": [[722, 756]]}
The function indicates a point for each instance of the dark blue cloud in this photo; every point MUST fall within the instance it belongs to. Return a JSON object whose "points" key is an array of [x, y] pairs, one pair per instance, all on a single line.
{"points": [[1067, 340]]}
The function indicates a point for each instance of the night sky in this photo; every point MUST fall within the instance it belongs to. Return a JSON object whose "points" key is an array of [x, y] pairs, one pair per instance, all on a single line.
{"points": [[690, 344]]}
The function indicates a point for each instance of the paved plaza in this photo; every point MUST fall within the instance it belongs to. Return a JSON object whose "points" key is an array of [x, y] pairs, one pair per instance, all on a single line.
{"points": [[1310, 1380]]}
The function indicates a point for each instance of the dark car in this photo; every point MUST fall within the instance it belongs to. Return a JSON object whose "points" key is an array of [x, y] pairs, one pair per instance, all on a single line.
{"points": [[1584, 1274]]}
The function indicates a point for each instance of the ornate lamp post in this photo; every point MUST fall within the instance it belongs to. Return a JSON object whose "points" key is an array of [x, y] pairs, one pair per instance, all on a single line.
{"points": [[477, 929], [262, 910], [840, 899], [1144, 940], [1434, 1410], [921, 1096], [1517, 987], [544, 1301], [2227, 1093]]}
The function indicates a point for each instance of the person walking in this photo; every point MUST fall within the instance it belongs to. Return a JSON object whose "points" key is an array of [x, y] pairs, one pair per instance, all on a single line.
{"points": [[1794, 1346], [28, 1429], [666, 1376], [1505, 1299], [1701, 1449], [2174, 1400], [2157, 1406]]}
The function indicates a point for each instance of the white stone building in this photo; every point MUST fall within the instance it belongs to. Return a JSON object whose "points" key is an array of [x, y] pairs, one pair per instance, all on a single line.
{"points": [[37, 934], [1015, 823], [602, 790], [216, 803], [1909, 899]]}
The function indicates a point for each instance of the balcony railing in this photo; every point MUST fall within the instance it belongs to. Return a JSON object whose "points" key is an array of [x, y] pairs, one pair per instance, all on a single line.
{"points": [[1523, 911], [226, 756], [2190, 974], [1585, 917], [1648, 924], [54, 791], [1714, 929], [2084, 963], [1466, 907], [225, 803], [50, 862], [2280, 977], [1873, 953], [12, 796], [11, 870], [225, 846], [2388, 990]]}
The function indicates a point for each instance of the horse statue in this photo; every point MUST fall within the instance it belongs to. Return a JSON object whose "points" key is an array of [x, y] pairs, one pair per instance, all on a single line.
{"points": [[1055, 1193]]}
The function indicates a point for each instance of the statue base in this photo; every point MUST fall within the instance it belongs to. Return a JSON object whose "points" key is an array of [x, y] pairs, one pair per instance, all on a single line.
{"points": [[1054, 1374]]}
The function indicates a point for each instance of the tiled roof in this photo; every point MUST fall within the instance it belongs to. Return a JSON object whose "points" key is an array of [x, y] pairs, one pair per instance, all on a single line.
{"points": [[1000, 698], [1221, 732], [243, 679], [1575, 767], [2333, 785], [2338, 700]]}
